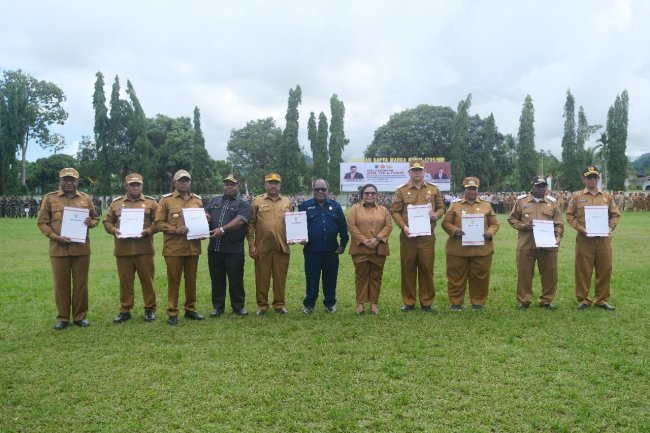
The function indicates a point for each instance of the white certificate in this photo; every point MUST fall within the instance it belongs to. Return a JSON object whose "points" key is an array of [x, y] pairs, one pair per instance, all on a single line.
{"points": [[544, 233], [196, 223], [597, 220], [419, 221], [296, 223], [73, 226], [131, 223], [473, 226]]}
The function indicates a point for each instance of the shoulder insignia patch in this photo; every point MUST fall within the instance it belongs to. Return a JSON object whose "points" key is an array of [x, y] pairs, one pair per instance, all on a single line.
{"points": [[197, 196], [551, 198], [166, 195], [150, 197], [519, 197]]}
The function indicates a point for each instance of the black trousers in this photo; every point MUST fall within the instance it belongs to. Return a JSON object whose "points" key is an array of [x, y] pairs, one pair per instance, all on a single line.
{"points": [[224, 265]]}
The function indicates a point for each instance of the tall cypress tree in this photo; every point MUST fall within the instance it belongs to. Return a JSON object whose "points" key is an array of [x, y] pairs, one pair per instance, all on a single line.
{"points": [[490, 137], [526, 155], [617, 122], [571, 154], [459, 132], [337, 142], [322, 147], [143, 158], [293, 161], [202, 165], [312, 136], [101, 174]]}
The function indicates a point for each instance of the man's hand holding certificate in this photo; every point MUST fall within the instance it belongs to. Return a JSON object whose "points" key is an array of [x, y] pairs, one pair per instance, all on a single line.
{"points": [[196, 223], [419, 220], [544, 234], [597, 221], [296, 225]]}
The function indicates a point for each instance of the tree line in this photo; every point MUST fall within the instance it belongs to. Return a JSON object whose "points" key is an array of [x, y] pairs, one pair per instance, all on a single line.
{"points": [[126, 140]]}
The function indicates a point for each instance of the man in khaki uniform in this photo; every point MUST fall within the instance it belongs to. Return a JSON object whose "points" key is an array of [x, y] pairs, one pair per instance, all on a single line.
{"points": [[417, 254], [469, 263], [535, 206], [267, 244], [181, 254], [70, 258], [134, 254], [592, 251]]}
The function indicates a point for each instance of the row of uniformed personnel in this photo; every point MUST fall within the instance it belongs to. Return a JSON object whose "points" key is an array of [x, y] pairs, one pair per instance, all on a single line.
{"points": [[70, 260]]}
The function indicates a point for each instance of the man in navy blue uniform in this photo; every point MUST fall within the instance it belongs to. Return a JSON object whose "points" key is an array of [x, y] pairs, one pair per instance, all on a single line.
{"points": [[325, 220], [228, 216]]}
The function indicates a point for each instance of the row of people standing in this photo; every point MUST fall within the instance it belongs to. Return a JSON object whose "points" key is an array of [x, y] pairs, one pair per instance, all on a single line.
{"points": [[232, 218]]}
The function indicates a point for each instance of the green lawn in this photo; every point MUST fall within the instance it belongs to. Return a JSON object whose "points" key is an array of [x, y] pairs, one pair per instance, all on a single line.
{"points": [[501, 370]]}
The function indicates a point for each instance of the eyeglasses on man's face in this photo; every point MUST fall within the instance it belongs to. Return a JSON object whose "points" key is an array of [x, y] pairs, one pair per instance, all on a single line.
{"points": [[320, 189]]}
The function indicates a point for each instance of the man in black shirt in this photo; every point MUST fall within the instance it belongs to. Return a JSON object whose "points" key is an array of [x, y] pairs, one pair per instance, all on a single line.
{"points": [[228, 216]]}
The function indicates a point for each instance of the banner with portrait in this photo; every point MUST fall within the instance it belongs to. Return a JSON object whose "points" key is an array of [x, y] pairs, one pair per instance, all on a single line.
{"points": [[387, 176], [439, 174]]}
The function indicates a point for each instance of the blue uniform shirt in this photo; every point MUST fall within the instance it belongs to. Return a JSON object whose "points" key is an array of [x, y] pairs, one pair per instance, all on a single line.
{"points": [[323, 224]]}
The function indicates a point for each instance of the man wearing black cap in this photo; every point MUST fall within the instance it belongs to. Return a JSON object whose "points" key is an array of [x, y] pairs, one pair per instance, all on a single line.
{"points": [[530, 207], [70, 258], [134, 253], [228, 215], [592, 251]]}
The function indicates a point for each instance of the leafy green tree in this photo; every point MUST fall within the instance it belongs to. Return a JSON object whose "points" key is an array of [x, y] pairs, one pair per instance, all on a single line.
{"points": [[459, 141], [253, 151], [317, 135], [617, 162], [43, 174], [526, 154], [143, 159], [292, 162], [30, 107], [424, 131], [490, 139], [337, 142], [10, 132]]}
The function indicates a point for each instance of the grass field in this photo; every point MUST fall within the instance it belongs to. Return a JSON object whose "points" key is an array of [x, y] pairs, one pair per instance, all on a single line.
{"points": [[500, 370]]}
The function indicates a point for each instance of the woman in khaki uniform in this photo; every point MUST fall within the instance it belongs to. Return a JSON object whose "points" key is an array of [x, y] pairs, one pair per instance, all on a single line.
{"points": [[369, 225], [473, 262]]}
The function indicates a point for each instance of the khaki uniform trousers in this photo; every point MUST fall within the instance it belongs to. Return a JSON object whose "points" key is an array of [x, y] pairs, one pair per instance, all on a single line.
{"points": [[476, 270], [590, 253], [547, 265], [65, 269], [127, 266], [177, 266], [417, 256], [368, 269], [276, 264]]}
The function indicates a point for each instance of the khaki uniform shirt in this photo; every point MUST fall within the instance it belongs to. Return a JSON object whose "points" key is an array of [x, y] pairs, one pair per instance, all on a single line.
{"points": [[408, 194], [50, 219], [132, 246], [526, 210], [575, 213], [169, 216], [453, 222], [266, 227], [367, 222]]}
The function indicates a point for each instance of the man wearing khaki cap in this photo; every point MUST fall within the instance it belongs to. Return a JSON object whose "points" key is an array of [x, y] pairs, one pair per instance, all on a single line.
{"points": [[536, 206], [267, 244], [228, 215], [593, 251], [181, 254], [417, 254], [133, 253], [70, 258]]}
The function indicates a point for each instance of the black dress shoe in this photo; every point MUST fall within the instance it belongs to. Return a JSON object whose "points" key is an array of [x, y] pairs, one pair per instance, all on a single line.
{"points": [[281, 310], [193, 315], [477, 307], [406, 308], [149, 315], [60, 325], [243, 312], [172, 320], [216, 313], [84, 323], [524, 306], [606, 306], [122, 317], [550, 306], [427, 309], [456, 307], [583, 306]]}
